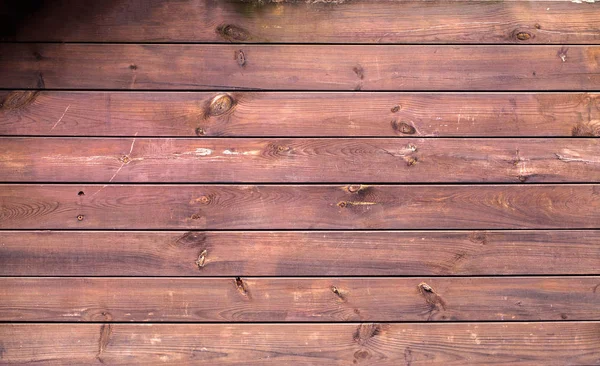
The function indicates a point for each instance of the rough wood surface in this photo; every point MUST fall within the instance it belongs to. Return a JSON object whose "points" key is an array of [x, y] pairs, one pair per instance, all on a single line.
{"points": [[298, 67], [242, 299], [298, 114], [299, 160], [574, 343], [77, 206], [327, 21], [333, 253]]}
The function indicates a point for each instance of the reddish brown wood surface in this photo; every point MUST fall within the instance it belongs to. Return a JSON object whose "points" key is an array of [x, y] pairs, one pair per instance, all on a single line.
{"points": [[328, 21], [333, 253], [244, 299], [298, 114], [298, 67], [77, 206], [574, 343], [345, 163], [299, 160]]}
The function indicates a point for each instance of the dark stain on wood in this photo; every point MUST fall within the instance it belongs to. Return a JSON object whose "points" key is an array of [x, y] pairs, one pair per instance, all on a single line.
{"points": [[103, 341]]}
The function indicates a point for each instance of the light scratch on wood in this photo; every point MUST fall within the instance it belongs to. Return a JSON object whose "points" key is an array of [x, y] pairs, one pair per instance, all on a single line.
{"points": [[61, 117], [118, 170]]}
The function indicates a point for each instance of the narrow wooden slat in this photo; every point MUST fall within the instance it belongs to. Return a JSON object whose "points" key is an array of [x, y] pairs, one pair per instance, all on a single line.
{"points": [[303, 21], [231, 160], [298, 114], [574, 343], [420, 253], [299, 299], [298, 207], [298, 67]]}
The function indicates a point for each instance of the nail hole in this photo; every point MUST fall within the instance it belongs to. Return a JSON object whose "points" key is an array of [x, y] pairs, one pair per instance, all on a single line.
{"points": [[81, 193], [80, 217]]}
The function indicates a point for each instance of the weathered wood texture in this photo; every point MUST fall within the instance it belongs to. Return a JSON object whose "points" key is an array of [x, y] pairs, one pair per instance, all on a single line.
{"points": [[298, 114], [574, 343], [299, 207], [298, 67], [300, 160], [244, 299], [303, 21], [333, 253]]}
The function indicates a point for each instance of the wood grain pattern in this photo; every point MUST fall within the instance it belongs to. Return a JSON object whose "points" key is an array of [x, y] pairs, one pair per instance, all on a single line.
{"points": [[245, 299], [303, 21], [332, 253], [573, 343], [51, 206], [298, 67], [230, 160], [313, 114]]}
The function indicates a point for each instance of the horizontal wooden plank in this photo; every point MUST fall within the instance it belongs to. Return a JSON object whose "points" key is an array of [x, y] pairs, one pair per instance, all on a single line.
{"points": [[51, 206], [298, 67], [298, 114], [573, 343], [300, 160], [333, 253], [244, 299], [303, 21]]}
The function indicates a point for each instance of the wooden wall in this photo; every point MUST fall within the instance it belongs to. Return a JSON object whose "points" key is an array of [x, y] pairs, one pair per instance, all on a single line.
{"points": [[277, 182]]}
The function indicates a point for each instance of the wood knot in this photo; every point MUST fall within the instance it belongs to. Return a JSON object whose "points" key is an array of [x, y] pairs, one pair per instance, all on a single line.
{"points": [[200, 131], [523, 36], [396, 108], [562, 54], [412, 160], [196, 216], [125, 159], [220, 105], [365, 332], [342, 204], [275, 149], [403, 127], [362, 354], [359, 71], [18, 99], [233, 33], [133, 67], [431, 297], [355, 188], [242, 287], [585, 130], [192, 239], [201, 259], [240, 58], [338, 293], [479, 237], [205, 200]]}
